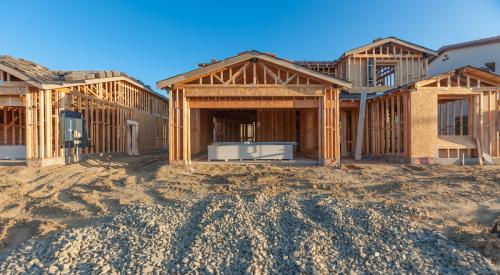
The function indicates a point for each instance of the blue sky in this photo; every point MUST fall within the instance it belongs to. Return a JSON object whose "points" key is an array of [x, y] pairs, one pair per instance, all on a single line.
{"points": [[152, 40]]}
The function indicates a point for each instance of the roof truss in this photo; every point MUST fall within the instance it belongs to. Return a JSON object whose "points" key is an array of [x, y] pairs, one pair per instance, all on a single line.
{"points": [[254, 72], [466, 77], [252, 68]]}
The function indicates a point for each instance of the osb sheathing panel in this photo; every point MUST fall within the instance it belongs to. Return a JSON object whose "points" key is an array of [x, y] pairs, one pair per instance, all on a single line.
{"points": [[423, 115], [152, 135], [490, 139]]}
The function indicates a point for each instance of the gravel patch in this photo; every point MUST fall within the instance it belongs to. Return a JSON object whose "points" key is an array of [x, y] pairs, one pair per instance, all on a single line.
{"points": [[258, 234]]}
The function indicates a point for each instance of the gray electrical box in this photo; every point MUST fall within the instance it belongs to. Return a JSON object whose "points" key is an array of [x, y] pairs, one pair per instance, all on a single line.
{"points": [[74, 132]]}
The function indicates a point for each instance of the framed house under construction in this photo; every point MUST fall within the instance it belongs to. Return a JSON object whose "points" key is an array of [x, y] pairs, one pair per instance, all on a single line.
{"points": [[257, 105], [396, 111], [375, 101], [33, 97]]}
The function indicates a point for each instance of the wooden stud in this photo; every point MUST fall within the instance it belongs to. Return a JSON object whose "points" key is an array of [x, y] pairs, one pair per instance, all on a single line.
{"points": [[41, 124], [29, 133], [393, 129]]}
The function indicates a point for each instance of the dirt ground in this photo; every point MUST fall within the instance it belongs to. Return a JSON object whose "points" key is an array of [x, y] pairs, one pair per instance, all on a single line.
{"points": [[461, 202]]}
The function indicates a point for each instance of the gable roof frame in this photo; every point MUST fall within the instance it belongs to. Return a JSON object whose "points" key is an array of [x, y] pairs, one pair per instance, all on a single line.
{"points": [[413, 86], [393, 40], [20, 75], [169, 82], [485, 77]]}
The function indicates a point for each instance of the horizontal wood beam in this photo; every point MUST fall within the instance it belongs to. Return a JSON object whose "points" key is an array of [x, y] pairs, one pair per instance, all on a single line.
{"points": [[254, 91], [226, 86], [253, 104], [14, 101], [455, 90], [349, 104], [376, 89], [394, 56], [13, 90], [113, 104]]}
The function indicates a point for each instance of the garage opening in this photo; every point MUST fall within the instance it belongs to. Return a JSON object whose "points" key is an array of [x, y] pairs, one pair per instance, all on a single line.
{"points": [[254, 134], [254, 97]]}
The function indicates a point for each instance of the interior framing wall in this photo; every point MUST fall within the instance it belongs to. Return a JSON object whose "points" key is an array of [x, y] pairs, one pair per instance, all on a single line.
{"points": [[201, 130], [387, 124], [349, 122], [12, 125]]}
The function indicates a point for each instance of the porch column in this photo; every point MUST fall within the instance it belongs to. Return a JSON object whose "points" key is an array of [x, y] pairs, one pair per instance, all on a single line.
{"points": [[321, 131], [328, 120], [186, 130], [361, 127]]}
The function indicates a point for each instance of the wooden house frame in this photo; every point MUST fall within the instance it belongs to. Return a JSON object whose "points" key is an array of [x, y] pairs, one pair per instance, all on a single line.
{"points": [[407, 118], [372, 68], [291, 103], [32, 97], [449, 118]]}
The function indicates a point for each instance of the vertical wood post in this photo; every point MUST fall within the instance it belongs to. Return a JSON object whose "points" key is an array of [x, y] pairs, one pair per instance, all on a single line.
{"points": [[170, 126], [361, 126], [48, 122], [321, 131], [29, 132], [41, 123]]}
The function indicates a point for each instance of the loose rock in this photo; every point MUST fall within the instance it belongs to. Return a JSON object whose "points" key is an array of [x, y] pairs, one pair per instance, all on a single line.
{"points": [[262, 234]]}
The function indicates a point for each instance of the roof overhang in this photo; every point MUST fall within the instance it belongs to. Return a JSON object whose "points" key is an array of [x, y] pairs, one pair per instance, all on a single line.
{"points": [[491, 78], [49, 86], [169, 82], [20, 75], [494, 78], [473, 43]]}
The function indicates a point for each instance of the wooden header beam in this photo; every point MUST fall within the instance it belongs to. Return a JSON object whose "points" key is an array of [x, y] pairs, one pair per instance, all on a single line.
{"points": [[255, 91], [252, 103], [11, 101], [13, 90]]}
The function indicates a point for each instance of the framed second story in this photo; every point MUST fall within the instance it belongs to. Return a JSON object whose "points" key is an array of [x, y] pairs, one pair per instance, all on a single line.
{"points": [[381, 65], [384, 63]]}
